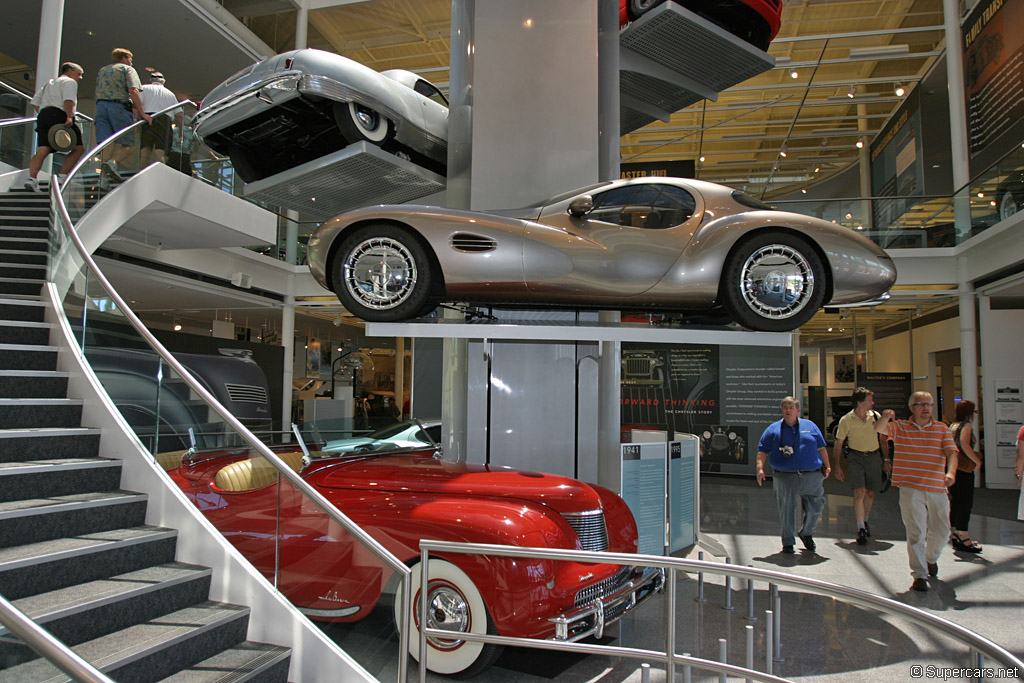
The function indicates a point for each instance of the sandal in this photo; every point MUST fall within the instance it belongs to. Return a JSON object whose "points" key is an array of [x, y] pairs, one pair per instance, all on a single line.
{"points": [[965, 545]]}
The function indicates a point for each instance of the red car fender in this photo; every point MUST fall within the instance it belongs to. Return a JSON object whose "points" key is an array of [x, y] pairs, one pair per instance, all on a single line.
{"points": [[618, 519]]}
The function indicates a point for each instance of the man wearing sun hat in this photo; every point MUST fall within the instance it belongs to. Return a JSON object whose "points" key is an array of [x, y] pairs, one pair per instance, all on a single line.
{"points": [[156, 97]]}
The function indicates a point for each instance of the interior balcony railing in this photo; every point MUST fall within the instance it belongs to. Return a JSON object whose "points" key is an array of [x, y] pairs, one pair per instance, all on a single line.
{"points": [[172, 413]]}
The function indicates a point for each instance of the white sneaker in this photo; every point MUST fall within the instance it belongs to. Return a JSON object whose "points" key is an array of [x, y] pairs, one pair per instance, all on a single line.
{"points": [[111, 168], [32, 185], [104, 182]]}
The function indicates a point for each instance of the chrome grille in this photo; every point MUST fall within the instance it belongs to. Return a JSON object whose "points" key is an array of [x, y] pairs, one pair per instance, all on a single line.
{"points": [[639, 366], [602, 588], [590, 529], [246, 393], [464, 241]]}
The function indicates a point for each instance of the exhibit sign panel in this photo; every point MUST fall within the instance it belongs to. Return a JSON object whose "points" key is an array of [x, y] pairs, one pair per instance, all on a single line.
{"points": [[897, 166], [643, 489], [683, 492], [724, 394]]}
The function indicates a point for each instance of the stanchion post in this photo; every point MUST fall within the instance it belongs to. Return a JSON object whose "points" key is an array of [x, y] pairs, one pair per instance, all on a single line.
{"points": [[749, 662], [769, 639], [645, 673], [723, 657], [728, 586], [700, 579], [750, 599], [686, 669], [777, 610]]}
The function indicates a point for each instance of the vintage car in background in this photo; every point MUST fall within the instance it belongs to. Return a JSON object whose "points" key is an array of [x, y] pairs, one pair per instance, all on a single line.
{"points": [[1010, 195], [404, 434], [301, 105], [636, 244], [404, 496], [755, 21]]}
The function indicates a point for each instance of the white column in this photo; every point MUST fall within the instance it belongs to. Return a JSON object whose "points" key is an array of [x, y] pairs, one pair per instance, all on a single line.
{"points": [[864, 165], [291, 239], [968, 339], [51, 25], [609, 410], [400, 375], [869, 349], [957, 117], [609, 157], [288, 342], [301, 25]]}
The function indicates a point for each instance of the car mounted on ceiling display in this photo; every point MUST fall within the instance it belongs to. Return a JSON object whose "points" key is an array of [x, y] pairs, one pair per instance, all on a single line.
{"points": [[637, 244], [1010, 195], [755, 21], [400, 497], [301, 105]]}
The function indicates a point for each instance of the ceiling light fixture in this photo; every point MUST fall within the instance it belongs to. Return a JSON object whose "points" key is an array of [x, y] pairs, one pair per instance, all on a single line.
{"points": [[177, 325], [900, 90], [852, 93], [860, 144], [876, 51], [701, 158], [794, 74]]}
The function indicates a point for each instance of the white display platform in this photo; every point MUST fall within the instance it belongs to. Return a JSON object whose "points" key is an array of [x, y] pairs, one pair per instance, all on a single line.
{"points": [[671, 58], [361, 174], [560, 330]]}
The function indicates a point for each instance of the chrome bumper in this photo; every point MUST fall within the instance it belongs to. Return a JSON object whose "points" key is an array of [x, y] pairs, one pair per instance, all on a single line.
{"points": [[591, 619]]}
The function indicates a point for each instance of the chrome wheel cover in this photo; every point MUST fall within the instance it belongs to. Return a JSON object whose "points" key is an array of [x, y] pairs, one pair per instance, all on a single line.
{"points": [[776, 281], [370, 123], [1007, 206], [380, 273], [447, 610]]}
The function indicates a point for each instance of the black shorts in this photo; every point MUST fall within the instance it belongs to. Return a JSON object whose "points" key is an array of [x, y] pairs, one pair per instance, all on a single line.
{"points": [[157, 133], [48, 118]]}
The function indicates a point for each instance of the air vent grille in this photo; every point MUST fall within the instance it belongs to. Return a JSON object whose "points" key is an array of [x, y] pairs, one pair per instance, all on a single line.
{"points": [[246, 393], [464, 241]]}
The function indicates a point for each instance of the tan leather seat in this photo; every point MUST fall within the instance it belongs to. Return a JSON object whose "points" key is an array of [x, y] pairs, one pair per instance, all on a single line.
{"points": [[254, 473], [170, 459]]}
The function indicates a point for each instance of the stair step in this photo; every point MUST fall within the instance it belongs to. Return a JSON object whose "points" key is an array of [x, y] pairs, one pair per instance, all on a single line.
{"points": [[153, 650], [61, 562], [33, 384], [40, 212], [31, 271], [247, 661], [21, 309], [20, 287], [24, 480], [40, 412], [19, 445], [23, 332], [43, 519], [24, 227], [28, 357], [22, 256], [89, 610], [24, 243]]}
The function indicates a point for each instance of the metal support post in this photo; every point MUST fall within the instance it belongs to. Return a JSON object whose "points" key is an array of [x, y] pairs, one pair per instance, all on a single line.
{"points": [[645, 673], [777, 610], [728, 586], [769, 638], [670, 627], [750, 600], [723, 657], [700, 579], [686, 670], [749, 661]]}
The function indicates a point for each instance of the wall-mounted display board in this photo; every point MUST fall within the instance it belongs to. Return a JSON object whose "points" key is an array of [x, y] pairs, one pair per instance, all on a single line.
{"points": [[643, 488], [726, 395], [892, 390], [683, 492], [993, 46], [684, 168], [1009, 418], [897, 163]]}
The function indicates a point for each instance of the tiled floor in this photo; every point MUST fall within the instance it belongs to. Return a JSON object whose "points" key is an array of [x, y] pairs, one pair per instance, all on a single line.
{"points": [[822, 638]]}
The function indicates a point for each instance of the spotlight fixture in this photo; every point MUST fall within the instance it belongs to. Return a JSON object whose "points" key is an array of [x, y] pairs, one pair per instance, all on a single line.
{"points": [[177, 325], [794, 74], [860, 144], [701, 158], [803, 191], [900, 90], [852, 93], [817, 169]]}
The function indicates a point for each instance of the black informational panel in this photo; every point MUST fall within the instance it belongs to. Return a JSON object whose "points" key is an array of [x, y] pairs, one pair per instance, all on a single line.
{"points": [[725, 395], [892, 390]]}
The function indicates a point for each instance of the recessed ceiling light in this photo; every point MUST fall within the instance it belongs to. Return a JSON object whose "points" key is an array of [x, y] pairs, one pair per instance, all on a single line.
{"points": [[794, 74]]}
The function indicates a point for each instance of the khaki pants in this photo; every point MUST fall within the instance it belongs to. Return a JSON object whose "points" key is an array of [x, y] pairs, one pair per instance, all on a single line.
{"points": [[926, 518]]}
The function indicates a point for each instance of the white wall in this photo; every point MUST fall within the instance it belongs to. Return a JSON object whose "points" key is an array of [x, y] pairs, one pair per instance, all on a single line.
{"points": [[1001, 335], [892, 354]]}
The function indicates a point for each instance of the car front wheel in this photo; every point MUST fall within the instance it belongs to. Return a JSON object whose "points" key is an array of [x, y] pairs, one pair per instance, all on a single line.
{"points": [[454, 604], [1008, 205], [773, 282], [383, 273], [637, 8]]}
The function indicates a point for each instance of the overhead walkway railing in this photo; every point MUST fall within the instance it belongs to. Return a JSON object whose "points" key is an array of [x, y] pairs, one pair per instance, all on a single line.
{"points": [[980, 652], [172, 413]]}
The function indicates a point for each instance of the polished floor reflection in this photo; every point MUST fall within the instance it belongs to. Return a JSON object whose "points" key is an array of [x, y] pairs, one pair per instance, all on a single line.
{"points": [[822, 639]]}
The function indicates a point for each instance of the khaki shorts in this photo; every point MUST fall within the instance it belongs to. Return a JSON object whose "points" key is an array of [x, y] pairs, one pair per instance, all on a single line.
{"points": [[865, 470]]}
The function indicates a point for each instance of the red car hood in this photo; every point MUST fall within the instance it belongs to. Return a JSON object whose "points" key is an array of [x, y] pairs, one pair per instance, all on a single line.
{"points": [[415, 474]]}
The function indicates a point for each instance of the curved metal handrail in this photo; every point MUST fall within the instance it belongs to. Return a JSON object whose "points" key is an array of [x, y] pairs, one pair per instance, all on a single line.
{"points": [[15, 122], [861, 598], [56, 652], [15, 91], [284, 470]]}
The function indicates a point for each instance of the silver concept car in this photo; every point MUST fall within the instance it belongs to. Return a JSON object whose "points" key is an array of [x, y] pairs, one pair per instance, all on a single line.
{"points": [[304, 104], [644, 243]]}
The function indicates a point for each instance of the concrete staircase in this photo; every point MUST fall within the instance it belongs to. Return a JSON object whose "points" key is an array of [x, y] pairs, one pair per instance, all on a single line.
{"points": [[76, 555]]}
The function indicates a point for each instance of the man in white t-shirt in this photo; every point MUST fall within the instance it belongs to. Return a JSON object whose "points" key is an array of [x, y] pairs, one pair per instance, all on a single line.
{"points": [[55, 105], [155, 136]]}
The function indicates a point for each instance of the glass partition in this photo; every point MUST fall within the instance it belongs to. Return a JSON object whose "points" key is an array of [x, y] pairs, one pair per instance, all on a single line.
{"points": [[296, 539], [17, 143]]}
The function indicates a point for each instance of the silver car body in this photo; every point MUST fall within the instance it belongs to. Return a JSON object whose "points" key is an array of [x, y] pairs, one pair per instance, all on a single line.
{"points": [[543, 255], [420, 123]]}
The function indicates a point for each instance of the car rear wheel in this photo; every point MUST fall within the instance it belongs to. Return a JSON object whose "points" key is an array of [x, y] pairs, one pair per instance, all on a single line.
{"points": [[773, 282], [453, 604], [637, 8], [1008, 205], [383, 273], [359, 122]]}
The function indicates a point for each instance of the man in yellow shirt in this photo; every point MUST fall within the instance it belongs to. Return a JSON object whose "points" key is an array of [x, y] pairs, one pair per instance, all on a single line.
{"points": [[863, 457]]}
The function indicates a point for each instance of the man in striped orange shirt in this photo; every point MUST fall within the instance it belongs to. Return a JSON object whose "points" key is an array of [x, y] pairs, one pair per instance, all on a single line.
{"points": [[923, 467]]}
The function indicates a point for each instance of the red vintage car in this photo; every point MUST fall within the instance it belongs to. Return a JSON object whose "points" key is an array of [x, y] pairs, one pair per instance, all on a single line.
{"points": [[755, 21], [402, 497]]}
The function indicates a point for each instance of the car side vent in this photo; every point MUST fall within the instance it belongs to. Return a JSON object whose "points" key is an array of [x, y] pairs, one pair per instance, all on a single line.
{"points": [[246, 393], [590, 528], [467, 242]]}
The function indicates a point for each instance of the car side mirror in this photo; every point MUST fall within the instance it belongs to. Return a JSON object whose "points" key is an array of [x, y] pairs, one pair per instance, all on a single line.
{"points": [[581, 206]]}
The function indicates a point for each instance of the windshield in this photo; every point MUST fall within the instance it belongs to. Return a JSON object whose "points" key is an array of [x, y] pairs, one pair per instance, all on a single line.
{"points": [[391, 430], [747, 200]]}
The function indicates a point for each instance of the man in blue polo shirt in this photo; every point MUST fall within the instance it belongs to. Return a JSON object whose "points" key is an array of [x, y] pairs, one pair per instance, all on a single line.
{"points": [[796, 450]]}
